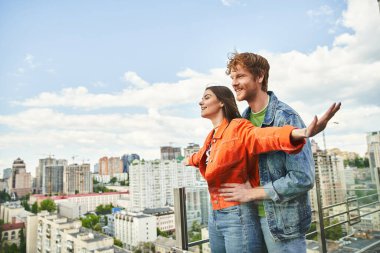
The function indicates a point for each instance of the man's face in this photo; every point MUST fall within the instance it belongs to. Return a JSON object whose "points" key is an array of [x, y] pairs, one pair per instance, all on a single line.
{"points": [[246, 86]]}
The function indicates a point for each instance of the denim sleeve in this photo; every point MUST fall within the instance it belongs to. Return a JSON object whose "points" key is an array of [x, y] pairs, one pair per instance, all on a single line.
{"points": [[299, 170]]}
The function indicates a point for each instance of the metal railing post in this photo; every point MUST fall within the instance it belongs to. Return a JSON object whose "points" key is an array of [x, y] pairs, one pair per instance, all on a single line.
{"points": [[181, 236], [320, 226]]}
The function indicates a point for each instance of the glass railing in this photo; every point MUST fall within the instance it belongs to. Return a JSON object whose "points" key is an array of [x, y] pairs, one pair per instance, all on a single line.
{"points": [[335, 227]]}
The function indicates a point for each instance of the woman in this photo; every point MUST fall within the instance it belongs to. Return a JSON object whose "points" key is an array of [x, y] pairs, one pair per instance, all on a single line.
{"points": [[228, 151]]}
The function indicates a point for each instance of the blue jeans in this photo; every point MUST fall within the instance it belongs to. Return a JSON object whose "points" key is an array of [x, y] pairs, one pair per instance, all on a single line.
{"points": [[236, 229], [297, 244]]}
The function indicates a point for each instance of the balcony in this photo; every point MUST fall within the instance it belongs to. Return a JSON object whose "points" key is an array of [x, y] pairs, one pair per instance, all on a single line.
{"points": [[347, 215]]}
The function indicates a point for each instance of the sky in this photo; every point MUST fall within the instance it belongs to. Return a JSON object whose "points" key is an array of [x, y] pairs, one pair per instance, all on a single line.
{"points": [[80, 80]]}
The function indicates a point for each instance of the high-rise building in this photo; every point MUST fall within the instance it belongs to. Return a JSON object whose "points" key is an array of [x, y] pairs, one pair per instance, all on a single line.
{"points": [[7, 173], [19, 182], [329, 168], [170, 153], [110, 166], [50, 175], [96, 168], [373, 143], [127, 159], [188, 151], [152, 182], [77, 179]]}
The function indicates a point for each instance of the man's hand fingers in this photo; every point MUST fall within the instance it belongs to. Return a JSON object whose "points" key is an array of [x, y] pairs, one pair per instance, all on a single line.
{"points": [[230, 199], [225, 190], [231, 185]]}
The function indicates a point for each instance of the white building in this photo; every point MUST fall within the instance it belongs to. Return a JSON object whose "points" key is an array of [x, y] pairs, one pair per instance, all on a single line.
{"points": [[152, 182], [56, 234], [133, 228], [109, 229], [373, 143], [9, 210], [71, 210], [88, 201], [330, 169], [370, 220], [165, 218], [107, 178]]}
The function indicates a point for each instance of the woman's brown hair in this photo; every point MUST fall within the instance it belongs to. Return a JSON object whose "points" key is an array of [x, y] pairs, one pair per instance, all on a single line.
{"points": [[225, 95]]}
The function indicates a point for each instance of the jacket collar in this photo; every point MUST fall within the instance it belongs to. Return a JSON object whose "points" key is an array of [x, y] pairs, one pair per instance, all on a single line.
{"points": [[271, 109], [221, 129]]}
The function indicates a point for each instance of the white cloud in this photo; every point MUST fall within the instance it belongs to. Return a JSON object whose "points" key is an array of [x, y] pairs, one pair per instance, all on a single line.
{"points": [[29, 60], [229, 2], [323, 10], [135, 80], [157, 95]]}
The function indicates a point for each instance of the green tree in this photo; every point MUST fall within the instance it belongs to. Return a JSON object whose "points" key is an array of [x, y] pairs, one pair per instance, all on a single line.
{"points": [[22, 247], [48, 205], [335, 232], [162, 233], [35, 208], [98, 227], [4, 196], [117, 242], [25, 204], [145, 247], [90, 221], [113, 180], [104, 209]]}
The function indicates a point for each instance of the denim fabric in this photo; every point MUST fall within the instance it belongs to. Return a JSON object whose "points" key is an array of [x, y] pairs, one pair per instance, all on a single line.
{"points": [[286, 178], [297, 244], [236, 229]]}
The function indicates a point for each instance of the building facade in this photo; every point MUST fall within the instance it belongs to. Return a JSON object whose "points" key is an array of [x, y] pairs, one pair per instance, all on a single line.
{"points": [[77, 179], [152, 182], [373, 143], [110, 166], [127, 159], [134, 228], [50, 173], [330, 170], [164, 216], [19, 182], [170, 153]]}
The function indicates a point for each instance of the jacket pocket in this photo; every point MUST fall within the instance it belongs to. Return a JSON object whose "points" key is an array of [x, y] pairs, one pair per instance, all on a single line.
{"points": [[289, 213]]}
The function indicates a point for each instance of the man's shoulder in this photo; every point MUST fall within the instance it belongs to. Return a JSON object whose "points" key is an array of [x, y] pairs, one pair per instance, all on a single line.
{"points": [[284, 108], [285, 114]]}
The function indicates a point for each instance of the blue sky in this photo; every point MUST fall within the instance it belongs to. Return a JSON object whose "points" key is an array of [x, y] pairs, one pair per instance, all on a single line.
{"points": [[95, 78]]}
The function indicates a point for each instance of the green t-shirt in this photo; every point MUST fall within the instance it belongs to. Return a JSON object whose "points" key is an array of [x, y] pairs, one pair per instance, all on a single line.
{"points": [[257, 120]]}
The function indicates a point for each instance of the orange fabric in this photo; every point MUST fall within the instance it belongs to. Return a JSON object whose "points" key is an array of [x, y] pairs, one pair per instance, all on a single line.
{"points": [[234, 155]]}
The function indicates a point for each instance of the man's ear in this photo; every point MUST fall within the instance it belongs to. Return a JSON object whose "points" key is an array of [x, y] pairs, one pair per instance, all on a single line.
{"points": [[260, 78]]}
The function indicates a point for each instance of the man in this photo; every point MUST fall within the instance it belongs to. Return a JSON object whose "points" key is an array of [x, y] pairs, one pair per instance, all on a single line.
{"points": [[285, 211]]}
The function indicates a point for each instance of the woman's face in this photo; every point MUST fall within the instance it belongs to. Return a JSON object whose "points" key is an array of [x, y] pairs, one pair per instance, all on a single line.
{"points": [[210, 105]]}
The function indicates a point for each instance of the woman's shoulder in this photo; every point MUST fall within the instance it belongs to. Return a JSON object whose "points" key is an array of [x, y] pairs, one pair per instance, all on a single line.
{"points": [[240, 121]]}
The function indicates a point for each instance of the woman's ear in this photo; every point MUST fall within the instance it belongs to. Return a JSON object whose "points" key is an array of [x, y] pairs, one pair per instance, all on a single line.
{"points": [[221, 104]]}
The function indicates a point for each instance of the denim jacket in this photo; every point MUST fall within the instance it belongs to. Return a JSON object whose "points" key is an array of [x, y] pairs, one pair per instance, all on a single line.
{"points": [[286, 178]]}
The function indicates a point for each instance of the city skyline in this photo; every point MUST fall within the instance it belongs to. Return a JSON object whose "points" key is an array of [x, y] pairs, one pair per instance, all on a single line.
{"points": [[92, 79]]}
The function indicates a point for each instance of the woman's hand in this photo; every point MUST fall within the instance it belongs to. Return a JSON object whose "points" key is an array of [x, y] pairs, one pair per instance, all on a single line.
{"points": [[316, 126]]}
